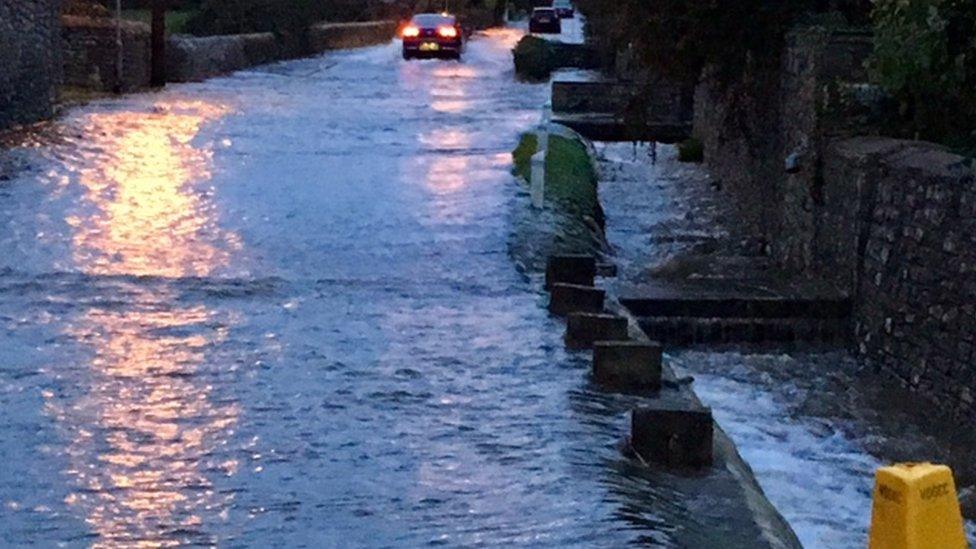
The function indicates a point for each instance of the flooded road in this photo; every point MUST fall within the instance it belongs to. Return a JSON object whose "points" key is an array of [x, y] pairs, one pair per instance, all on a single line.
{"points": [[278, 309]]}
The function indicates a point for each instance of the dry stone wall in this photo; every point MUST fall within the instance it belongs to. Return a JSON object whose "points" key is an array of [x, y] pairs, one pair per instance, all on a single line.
{"points": [[191, 58], [331, 36], [916, 257], [764, 135], [91, 53], [30, 63], [891, 222]]}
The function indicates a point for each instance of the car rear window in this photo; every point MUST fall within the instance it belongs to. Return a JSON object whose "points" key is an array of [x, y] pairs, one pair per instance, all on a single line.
{"points": [[544, 11], [432, 20]]}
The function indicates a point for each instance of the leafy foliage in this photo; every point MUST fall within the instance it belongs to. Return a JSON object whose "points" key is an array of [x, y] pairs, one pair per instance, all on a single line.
{"points": [[679, 37], [283, 17], [691, 150], [534, 57], [290, 18], [925, 57]]}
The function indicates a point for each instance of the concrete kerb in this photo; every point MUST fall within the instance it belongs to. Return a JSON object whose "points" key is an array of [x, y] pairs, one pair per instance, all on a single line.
{"points": [[776, 531]]}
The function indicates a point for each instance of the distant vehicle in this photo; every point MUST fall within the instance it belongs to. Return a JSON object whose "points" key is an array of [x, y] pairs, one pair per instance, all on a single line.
{"points": [[545, 21], [433, 35], [564, 9]]}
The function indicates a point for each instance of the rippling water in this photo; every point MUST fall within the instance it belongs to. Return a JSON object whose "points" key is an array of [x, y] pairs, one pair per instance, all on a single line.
{"points": [[277, 308]]}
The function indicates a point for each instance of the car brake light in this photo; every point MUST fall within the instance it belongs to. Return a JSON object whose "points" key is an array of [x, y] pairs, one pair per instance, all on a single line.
{"points": [[411, 32], [447, 32]]}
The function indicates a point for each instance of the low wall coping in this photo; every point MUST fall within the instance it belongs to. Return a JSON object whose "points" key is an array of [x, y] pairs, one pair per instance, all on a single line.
{"points": [[354, 25], [81, 21]]}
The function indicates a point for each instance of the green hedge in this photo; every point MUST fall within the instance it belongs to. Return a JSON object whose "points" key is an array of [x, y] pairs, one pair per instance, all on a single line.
{"points": [[925, 57], [534, 58]]}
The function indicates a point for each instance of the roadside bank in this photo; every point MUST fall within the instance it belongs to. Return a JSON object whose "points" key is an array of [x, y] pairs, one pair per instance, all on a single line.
{"points": [[738, 514], [810, 420]]}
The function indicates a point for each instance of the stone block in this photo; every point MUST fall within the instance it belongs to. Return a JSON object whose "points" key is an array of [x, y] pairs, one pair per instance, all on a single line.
{"points": [[627, 364], [570, 269], [574, 298], [584, 329], [606, 270], [676, 435]]}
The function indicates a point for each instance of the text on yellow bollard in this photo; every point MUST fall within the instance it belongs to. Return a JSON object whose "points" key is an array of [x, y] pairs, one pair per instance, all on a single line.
{"points": [[915, 507]]}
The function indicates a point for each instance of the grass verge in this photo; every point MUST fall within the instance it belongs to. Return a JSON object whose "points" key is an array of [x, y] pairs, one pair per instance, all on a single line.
{"points": [[571, 179]]}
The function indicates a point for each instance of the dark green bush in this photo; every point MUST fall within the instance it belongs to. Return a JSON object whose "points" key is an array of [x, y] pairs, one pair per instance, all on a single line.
{"points": [[288, 18], [925, 57], [678, 37], [691, 150], [534, 58]]}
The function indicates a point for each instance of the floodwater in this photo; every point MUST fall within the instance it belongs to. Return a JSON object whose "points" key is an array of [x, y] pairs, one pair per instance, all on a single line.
{"points": [[278, 309], [813, 424]]}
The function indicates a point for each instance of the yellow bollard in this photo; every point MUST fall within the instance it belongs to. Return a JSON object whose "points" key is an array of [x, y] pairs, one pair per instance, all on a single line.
{"points": [[915, 507]]}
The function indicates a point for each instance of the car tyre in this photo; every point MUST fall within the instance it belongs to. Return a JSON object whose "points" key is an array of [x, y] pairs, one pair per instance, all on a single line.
{"points": [[407, 55]]}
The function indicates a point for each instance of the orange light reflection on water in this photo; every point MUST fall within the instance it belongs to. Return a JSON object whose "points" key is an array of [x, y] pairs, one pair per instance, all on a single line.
{"points": [[147, 425], [147, 222]]}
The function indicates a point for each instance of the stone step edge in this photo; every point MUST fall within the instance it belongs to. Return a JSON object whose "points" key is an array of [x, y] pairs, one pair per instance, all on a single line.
{"points": [[740, 307], [776, 531]]}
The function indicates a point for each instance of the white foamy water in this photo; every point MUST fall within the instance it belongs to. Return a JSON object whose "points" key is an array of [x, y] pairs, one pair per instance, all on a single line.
{"points": [[788, 416]]}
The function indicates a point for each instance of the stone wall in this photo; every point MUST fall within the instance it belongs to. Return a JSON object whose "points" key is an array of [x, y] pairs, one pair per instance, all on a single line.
{"points": [[91, 53], [914, 250], [30, 60], [331, 36], [764, 135], [890, 222], [191, 58]]}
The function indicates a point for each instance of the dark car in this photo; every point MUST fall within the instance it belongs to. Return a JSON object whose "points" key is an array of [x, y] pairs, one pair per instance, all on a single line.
{"points": [[564, 9], [545, 20], [433, 35]]}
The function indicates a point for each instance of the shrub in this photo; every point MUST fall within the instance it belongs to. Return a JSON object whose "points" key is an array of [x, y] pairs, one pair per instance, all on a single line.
{"points": [[289, 18], [925, 57], [691, 150], [678, 37], [533, 58]]}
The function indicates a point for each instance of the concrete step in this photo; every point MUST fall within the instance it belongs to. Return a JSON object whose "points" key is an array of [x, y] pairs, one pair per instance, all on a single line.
{"points": [[685, 331], [740, 307], [609, 127]]}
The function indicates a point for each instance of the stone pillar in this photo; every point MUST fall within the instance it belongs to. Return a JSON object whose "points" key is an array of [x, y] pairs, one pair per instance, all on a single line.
{"points": [[570, 269], [158, 44], [632, 365], [537, 185], [574, 298], [676, 434], [585, 329]]}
